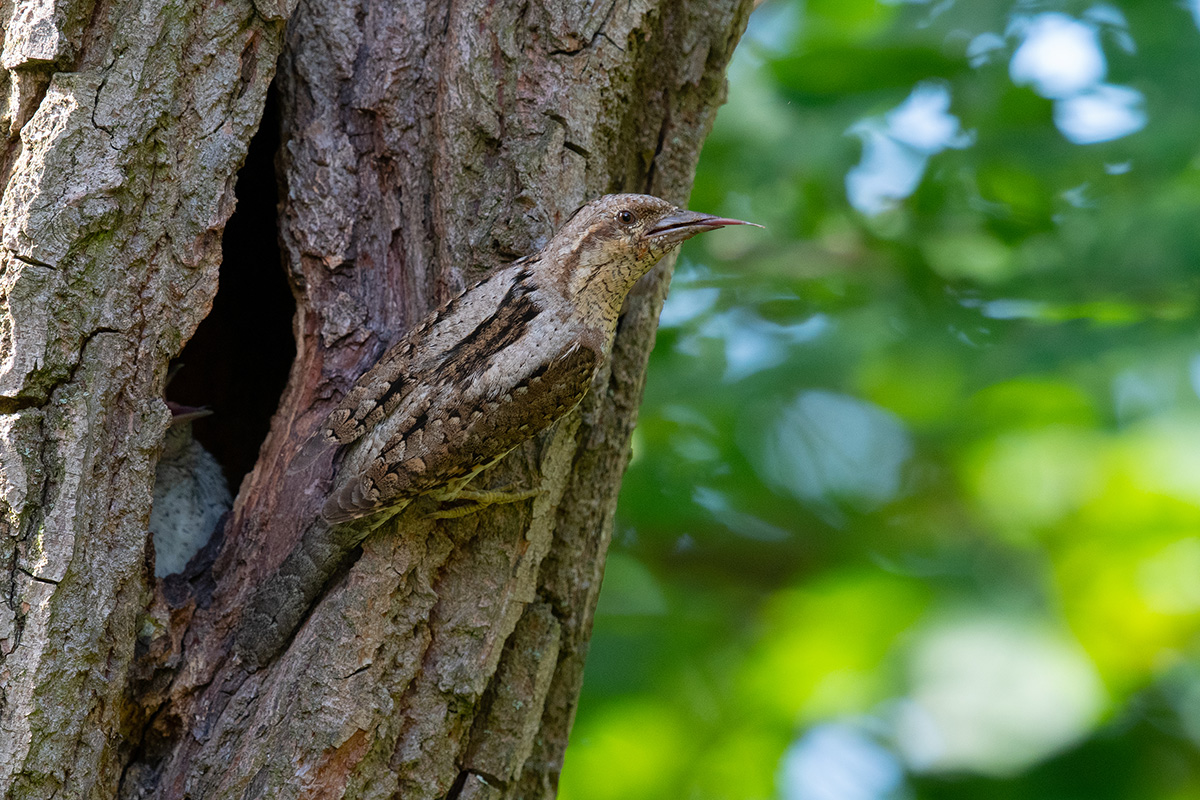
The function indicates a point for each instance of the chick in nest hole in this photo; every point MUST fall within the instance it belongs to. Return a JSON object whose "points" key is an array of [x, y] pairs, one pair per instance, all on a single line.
{"points": [[190, 494]]}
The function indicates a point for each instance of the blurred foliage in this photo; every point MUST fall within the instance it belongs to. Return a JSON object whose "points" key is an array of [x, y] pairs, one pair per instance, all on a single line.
{"points": [[914, 506]]}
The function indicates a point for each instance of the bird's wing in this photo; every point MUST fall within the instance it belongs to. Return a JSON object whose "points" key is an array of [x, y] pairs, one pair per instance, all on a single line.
{"points": [[379, 391], [373, 395], [452, 434]]}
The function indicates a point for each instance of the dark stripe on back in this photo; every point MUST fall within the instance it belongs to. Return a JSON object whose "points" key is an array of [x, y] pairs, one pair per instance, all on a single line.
{"points": [[499, 331], [394, 390], [399, 387]]}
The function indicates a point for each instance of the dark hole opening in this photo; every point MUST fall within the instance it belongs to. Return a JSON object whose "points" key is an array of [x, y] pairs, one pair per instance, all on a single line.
{"points": [[237, 363]]}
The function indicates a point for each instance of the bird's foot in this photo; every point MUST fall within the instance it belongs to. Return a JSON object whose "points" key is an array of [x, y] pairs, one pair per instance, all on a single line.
{"points": [[470, 501]]}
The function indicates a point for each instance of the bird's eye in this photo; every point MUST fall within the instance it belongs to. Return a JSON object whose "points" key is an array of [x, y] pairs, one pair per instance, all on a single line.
{"points": [[626, 217]]}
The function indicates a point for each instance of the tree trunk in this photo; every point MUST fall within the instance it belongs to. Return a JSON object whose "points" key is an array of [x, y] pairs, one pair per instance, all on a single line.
{"points": [[421, 146]]}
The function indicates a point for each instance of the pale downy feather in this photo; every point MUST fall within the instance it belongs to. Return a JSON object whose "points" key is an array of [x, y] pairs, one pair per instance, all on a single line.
{"points": [[190, 495]]}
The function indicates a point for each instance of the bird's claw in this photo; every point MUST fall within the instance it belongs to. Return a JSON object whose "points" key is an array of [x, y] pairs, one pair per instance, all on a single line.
{"points": [[477, 500]]}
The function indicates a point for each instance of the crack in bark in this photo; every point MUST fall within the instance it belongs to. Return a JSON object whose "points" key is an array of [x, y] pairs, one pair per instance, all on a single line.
{"points": [[29, 260], [37, 578], [15, 405], [20, 119], [595, 37], [591, 45], [10, 600], [462, 783], [96, 104], [359, 671], [20, 617], [662, 138]]}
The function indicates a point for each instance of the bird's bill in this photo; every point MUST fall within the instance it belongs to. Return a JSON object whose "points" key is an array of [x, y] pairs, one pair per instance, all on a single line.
{"points": [[680, 225], [181, 413]]}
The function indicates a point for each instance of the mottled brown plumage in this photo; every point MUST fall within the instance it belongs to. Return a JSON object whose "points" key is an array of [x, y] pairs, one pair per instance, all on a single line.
{"points": [[499, 363]]}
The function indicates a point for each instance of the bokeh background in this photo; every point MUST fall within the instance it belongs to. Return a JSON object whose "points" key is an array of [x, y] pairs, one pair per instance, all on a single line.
{"points": [[914, 508]]}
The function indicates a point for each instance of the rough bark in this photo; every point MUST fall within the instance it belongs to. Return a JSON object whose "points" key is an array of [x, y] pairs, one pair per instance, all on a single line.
{"points": [[422, 145]]}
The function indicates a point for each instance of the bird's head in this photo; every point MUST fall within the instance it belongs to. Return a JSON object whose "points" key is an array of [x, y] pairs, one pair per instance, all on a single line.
{"points": [[612, 241]]}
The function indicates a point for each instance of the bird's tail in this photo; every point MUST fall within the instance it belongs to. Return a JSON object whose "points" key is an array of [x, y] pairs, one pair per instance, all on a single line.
{"points": [[355, 500]]}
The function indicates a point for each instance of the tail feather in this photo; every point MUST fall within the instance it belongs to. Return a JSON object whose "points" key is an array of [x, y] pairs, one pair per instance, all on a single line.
{"points": [[353, 501]]}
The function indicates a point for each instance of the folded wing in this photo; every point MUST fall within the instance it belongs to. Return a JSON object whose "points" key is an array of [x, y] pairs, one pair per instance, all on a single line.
{"points": [[381, 389], [449, 434]]}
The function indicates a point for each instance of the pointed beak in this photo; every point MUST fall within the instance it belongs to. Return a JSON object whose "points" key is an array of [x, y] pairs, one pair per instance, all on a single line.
{"points": [[181, 413], [680, 225]]}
